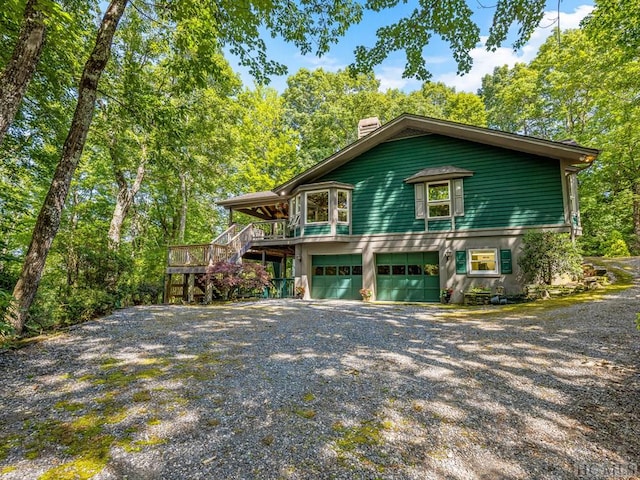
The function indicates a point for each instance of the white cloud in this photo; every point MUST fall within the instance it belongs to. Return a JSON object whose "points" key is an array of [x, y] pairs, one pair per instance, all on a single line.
{"points": [[391, 78], [327, 62], [484, 61]]}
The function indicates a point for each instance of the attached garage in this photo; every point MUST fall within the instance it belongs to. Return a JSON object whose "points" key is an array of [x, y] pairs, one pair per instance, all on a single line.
{"points": [[336, 276], [408, 277]]}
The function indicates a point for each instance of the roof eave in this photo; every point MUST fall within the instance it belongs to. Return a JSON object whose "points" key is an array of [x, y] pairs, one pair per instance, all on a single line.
{"points": [[574, 154]]}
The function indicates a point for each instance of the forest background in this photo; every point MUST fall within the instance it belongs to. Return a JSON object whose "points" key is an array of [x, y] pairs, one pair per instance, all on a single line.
{"points": [[174, 130]]}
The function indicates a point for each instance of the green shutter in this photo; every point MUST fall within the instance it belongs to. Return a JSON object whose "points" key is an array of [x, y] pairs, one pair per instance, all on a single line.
{"points": [[461, 262], [506, 265]]}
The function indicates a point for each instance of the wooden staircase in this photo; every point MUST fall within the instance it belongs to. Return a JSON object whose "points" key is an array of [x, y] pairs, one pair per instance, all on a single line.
{"points": [[187, 264]]}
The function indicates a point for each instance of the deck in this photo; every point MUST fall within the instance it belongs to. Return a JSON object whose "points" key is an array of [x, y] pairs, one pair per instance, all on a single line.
{"points": [[187, 264]]}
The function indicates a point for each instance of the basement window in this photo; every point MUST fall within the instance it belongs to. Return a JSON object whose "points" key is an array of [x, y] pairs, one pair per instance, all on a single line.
{"points": [[483, 261]]}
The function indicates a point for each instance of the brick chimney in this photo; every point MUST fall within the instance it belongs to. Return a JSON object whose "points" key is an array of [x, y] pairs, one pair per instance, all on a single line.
{"points": [[367, 125]]}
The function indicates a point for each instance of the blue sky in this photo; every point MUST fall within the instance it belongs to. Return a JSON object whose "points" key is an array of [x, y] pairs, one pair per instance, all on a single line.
{"points": [[438, 56]]}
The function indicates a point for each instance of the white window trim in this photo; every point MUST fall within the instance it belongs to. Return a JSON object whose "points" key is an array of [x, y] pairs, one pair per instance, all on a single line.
{"points": [[419, 200], [438, 202], [457, 192], [294, 214], [348, 209], [483, 273], [306, 217]]}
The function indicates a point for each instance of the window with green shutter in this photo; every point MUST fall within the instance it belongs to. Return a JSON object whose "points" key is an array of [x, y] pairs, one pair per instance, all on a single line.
{"points": [[506, 265], [461, 262]]}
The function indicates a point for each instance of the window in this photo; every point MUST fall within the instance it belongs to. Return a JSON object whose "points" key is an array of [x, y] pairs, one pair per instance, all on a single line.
{"points": [[483, 261], [343, 206], [318, 207], [294, 211], [414, 269], [438, 200], [384, 270]]}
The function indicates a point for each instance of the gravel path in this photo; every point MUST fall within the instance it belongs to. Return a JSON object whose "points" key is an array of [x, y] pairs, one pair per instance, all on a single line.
{"points": [[294, 389]]}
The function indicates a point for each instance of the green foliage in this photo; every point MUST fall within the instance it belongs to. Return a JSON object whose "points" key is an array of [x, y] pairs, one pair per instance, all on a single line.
{"points": [[547, 255], [616, 246], [230, 280], [6, 330], [616, 22], [566, 93]]}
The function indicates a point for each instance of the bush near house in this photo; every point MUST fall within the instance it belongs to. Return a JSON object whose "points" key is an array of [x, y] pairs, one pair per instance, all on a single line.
{"points": [[230, 280], [547, 255]]}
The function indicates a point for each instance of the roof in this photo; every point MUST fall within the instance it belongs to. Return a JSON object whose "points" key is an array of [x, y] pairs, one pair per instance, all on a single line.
{"points": [[572, 154], [257, 198], [438, 173]]}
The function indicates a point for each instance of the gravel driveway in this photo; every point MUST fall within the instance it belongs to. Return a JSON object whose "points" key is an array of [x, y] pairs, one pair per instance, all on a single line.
{"points": [[295, 389]]}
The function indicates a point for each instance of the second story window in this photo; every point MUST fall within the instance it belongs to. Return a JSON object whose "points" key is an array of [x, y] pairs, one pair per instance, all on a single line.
{"points": [[438, 200], [317, 207]]}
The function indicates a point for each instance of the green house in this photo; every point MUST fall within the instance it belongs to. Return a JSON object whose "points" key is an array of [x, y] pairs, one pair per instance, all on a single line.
{"points": [[412, 208]]}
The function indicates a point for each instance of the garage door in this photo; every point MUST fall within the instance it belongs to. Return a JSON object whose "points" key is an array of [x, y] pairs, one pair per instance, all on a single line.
{"points": [[336, 276], [408, 277]]}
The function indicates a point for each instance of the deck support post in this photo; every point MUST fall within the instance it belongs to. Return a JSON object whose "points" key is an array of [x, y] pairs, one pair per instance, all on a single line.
{"points": [[208, 294], [167, 288], [184, 287], [191, 281]]}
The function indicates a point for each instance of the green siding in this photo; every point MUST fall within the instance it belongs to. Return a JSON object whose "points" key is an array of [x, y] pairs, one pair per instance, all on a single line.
{"points": [[507, 189], [439, 225], [324, 229], [342, 229]]}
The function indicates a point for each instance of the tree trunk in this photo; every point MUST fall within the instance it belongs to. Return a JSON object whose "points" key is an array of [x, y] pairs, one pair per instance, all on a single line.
{"points": [[16, 76], [124, 200], [183, 207], [636, 216], [48, 220]]}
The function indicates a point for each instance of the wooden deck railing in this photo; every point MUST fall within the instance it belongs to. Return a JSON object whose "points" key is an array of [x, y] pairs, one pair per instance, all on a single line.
{"points": [[197, 255], [230, 245], [270, 230]]}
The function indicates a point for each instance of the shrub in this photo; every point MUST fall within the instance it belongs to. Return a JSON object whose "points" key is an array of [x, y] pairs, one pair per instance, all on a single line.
{"points": [[547, 255], [616, 246], [231, 279], [83, 305], [6, 329]]}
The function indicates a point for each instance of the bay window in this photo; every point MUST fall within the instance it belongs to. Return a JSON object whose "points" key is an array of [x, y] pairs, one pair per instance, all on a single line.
{"points": [[343, 206], [317, 207]]}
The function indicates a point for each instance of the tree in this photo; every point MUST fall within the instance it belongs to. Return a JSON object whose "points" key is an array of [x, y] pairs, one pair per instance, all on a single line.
{"points": [[570, 92], [16, 76], [324, 109], [48, 220], [546, 256]]}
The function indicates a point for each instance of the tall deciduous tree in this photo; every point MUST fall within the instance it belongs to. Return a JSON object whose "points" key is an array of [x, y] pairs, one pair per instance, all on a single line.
{"points": [[16, 76], [48, 220]]}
